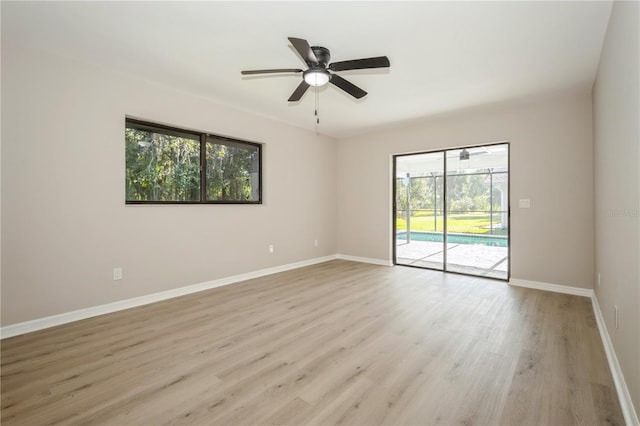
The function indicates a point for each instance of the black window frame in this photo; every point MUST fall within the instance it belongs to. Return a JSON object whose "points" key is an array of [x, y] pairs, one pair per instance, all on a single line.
{"points": [[204, 138]]}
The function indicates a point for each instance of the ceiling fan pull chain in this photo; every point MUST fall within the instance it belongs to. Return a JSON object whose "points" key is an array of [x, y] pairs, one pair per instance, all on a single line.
{"points": [[317, 105]]}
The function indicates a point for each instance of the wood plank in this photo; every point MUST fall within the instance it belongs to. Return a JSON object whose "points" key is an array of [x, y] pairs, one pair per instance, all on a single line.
{"points": [[335, 343]]}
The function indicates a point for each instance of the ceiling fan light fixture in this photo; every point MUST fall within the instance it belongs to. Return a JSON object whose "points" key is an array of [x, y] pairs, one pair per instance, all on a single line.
{"points": [[316, 77]]}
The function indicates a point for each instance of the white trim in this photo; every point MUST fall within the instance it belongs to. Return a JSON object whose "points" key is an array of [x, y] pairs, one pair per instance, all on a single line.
{"points": [[626, 404], [576, 291], [364, 260], [67, 317]]}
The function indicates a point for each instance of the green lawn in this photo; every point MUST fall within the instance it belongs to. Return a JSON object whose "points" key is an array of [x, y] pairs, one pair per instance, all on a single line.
{"points": [[464, 223]]}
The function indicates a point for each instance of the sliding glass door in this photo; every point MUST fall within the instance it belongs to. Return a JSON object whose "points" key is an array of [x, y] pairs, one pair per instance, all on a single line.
{"points": [[451, 210], [419, 216]]}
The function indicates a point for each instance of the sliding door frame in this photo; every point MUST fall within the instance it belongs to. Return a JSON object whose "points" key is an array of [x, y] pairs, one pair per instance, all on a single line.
{"points": [[444, 208]]}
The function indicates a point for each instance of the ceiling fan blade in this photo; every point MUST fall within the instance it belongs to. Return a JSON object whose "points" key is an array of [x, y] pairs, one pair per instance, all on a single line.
{"points": [[360, 64], [348, 87], [303, 48], [274, 71], [300, 90]]}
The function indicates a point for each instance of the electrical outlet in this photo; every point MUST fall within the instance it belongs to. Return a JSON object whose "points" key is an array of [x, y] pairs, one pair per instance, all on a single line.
{"points": [[615, 310], [117, 274], [315, 243], [270, 248]]}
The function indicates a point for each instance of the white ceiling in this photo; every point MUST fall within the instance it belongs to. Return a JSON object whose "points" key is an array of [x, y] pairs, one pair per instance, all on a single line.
{"points": [[444, 55]]}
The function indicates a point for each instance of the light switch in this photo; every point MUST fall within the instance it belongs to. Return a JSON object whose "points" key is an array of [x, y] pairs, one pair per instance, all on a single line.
{"points": [[525, 203]]}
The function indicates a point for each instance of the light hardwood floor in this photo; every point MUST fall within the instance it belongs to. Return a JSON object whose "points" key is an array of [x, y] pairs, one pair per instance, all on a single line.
{"points": [[335, 343]]}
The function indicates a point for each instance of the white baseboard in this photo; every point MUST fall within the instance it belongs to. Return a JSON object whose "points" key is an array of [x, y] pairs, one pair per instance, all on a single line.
{"points": [[365, 260], [576, 291], [67, 317], [626, 404]]}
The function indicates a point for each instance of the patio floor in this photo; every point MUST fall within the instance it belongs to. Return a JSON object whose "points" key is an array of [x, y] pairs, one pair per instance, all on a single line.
{"points": [[476, 259]]}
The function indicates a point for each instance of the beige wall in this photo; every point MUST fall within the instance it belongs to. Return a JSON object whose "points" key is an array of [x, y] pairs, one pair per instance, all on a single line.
{"points": [[64, 221], [551, 164], [616, 115]]}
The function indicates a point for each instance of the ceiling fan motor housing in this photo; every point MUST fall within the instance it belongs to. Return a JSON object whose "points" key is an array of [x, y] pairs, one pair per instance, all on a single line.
{"points": [[322, 55]]}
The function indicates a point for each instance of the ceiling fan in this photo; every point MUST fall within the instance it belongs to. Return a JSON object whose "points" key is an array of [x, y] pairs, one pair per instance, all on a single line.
{"points": [[317, 59], [465, 154]]}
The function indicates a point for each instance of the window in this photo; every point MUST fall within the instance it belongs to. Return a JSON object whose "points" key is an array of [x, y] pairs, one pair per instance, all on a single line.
{"points": [[166, 165], [451, 210]]}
